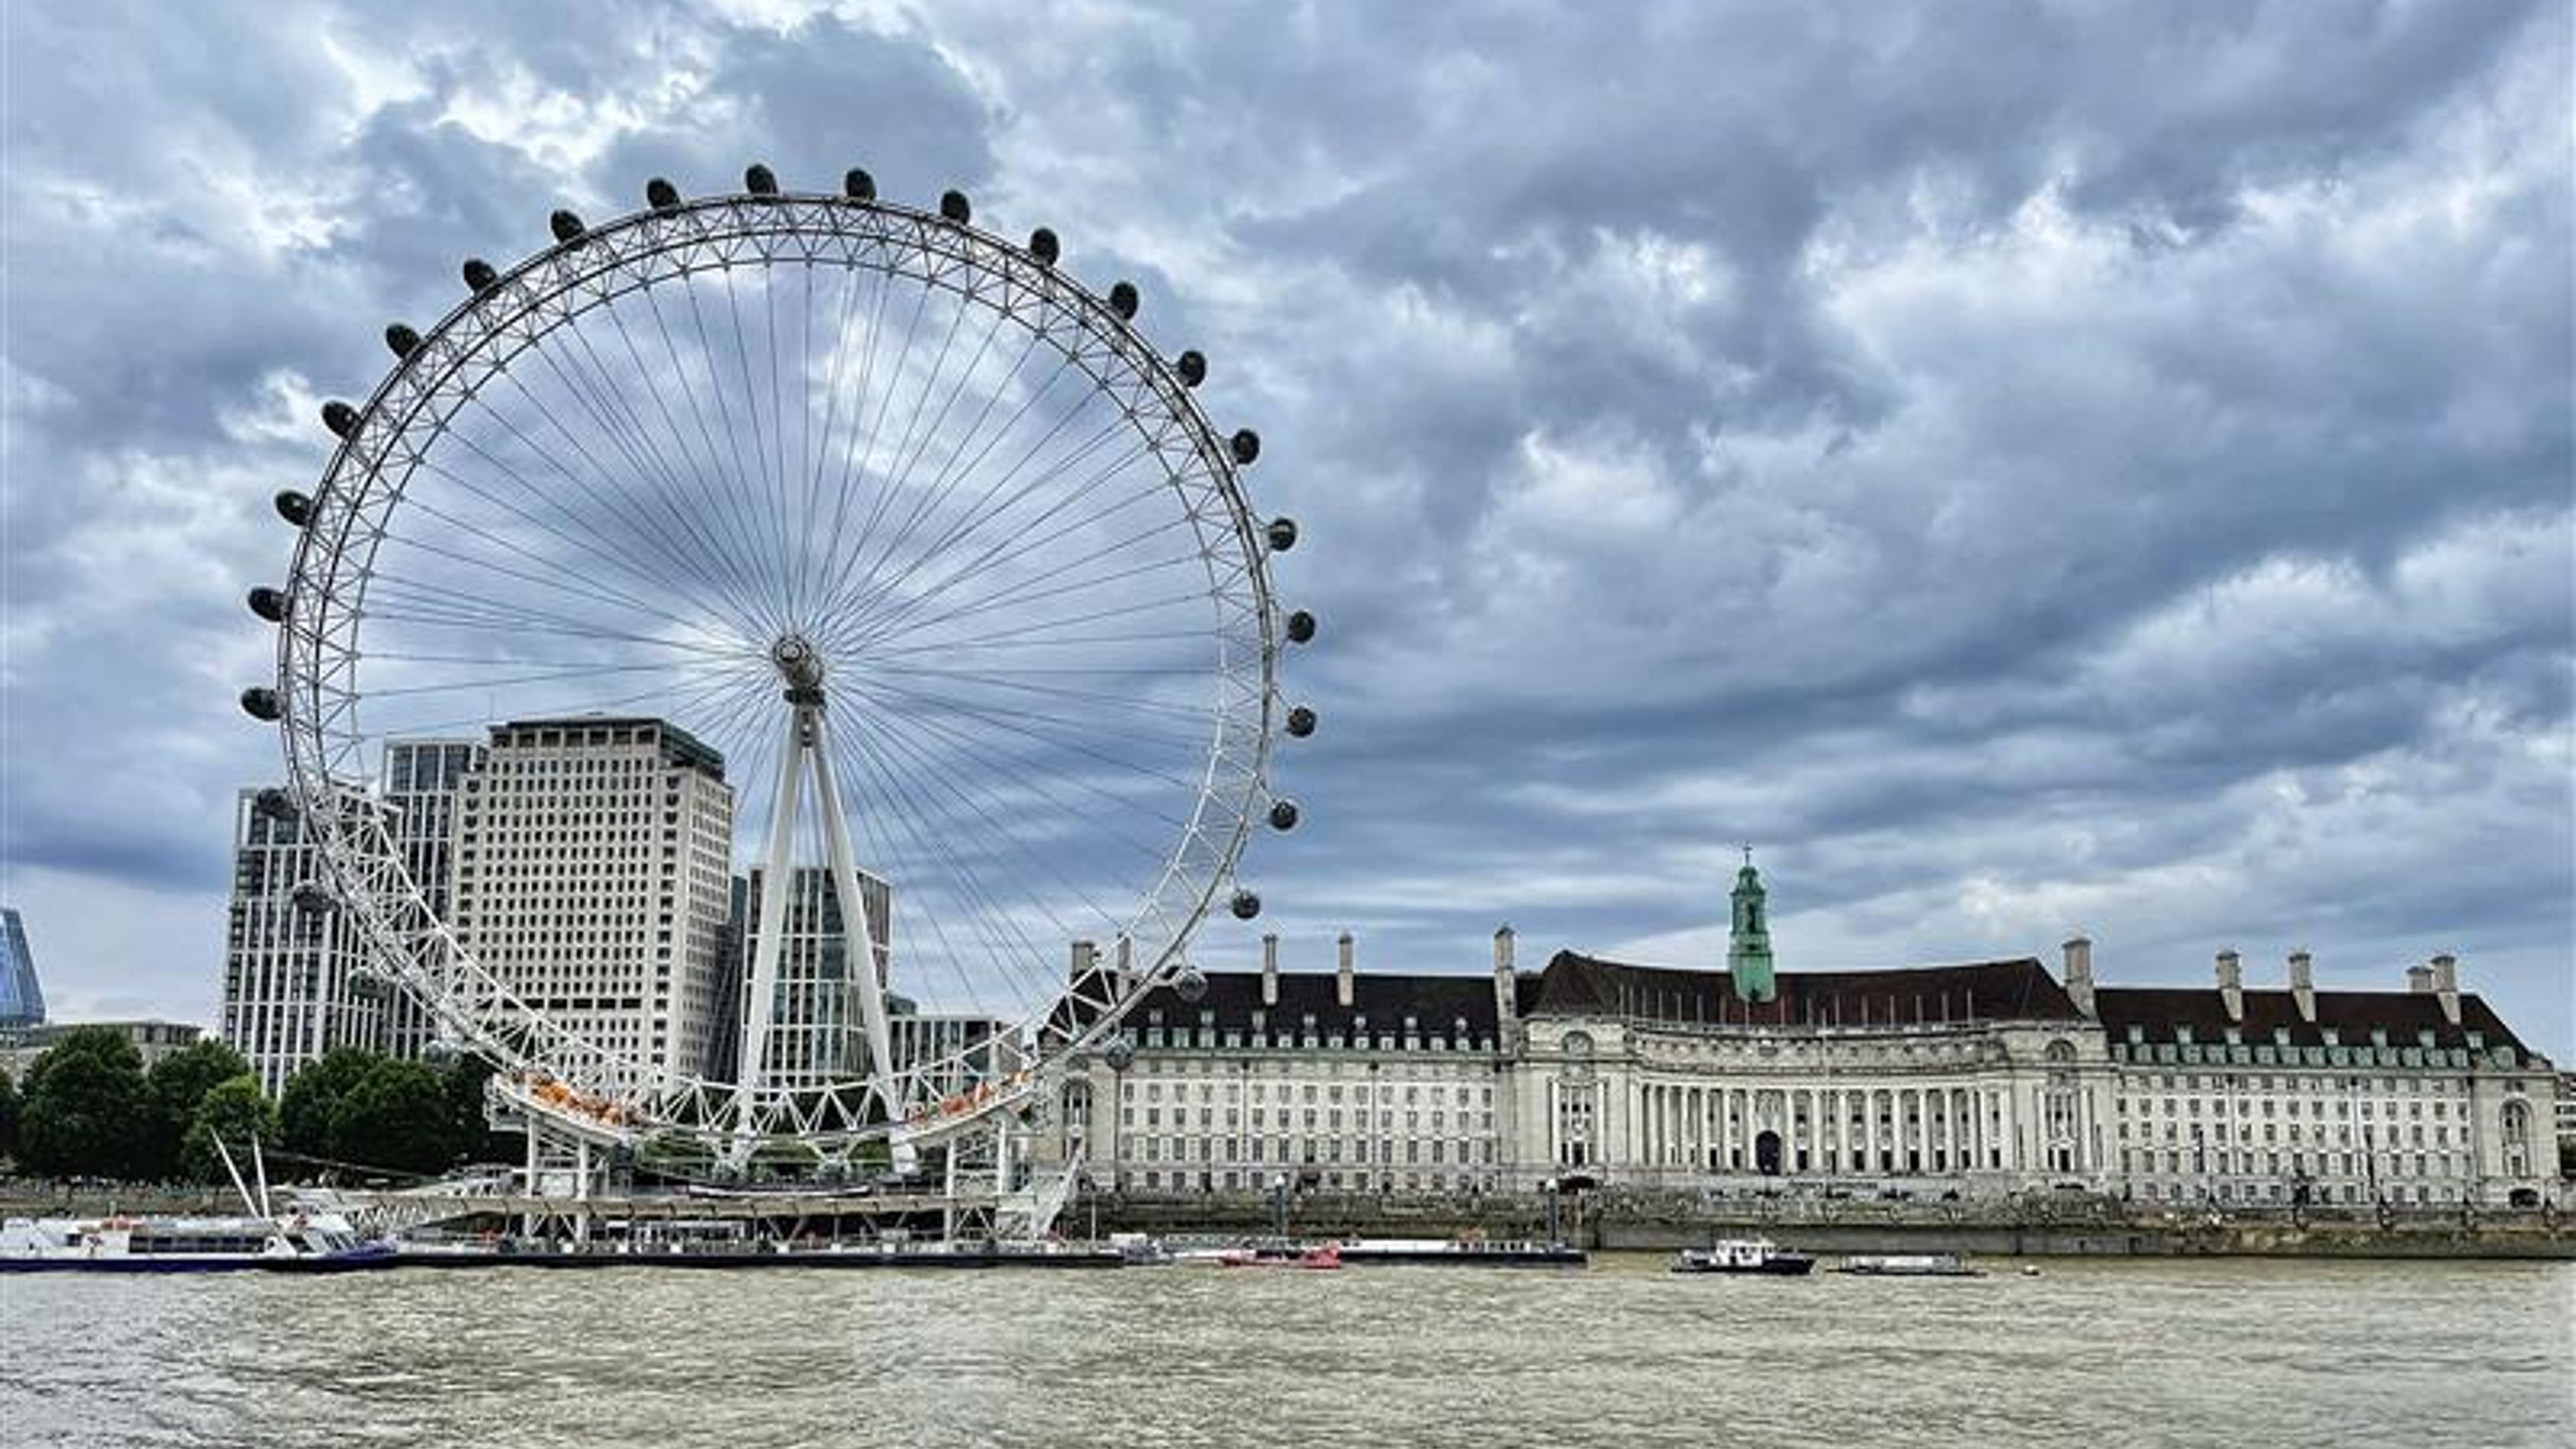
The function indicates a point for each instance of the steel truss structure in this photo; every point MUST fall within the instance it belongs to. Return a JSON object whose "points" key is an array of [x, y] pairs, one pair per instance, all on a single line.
{"points": [[512, 481]]}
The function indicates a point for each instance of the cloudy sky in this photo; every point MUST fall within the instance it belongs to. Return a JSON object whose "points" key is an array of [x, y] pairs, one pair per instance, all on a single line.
{"points": [[2027, 469]]}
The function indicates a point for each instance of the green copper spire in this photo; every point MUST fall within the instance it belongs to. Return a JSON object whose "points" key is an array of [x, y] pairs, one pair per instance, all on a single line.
{"points": [[1748, 950]]}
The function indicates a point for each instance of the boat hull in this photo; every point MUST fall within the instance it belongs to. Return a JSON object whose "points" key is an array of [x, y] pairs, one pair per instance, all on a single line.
{"points": [[1783, 1265]]}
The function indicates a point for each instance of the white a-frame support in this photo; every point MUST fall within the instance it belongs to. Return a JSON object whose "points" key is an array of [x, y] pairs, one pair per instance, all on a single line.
{"points": [[806, 745]]}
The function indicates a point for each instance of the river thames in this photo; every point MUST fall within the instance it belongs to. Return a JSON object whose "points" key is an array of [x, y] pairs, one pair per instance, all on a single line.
{"points": [[2093, 1352]]}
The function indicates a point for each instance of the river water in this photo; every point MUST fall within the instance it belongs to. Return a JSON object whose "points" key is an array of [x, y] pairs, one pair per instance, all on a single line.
{"points": [[2204, 1352]]}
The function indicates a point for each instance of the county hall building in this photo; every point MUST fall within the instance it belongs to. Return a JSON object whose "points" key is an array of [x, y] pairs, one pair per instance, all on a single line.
{"points": [[1980, 1079]]}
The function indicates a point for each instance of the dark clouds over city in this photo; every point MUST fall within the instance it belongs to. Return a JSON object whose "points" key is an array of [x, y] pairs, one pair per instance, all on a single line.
{"points": [[2025, 468]]}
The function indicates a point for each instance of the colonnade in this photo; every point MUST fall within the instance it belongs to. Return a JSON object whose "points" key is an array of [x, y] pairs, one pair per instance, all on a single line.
{"points": [[1820, 1128]]}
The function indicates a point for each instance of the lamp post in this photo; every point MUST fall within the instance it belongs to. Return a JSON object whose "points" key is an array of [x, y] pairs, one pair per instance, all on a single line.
{"points": [[1279, 1203], [1553, 1236]]}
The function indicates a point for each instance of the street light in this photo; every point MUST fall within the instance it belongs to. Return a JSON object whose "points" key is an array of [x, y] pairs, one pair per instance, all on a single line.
{"points": [[1279, 1203], [1553, 1237]]}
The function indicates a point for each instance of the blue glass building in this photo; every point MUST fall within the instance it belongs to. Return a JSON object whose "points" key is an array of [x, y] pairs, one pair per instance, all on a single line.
{"points": [[22, 996]]}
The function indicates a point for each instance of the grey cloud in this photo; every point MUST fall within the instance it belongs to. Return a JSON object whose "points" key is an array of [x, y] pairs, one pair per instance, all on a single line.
{"points": [[2027, 469]]}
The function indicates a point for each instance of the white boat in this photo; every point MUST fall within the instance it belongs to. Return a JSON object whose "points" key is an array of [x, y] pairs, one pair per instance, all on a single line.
{"points": [[1909, 1265], [293, 1242], [1744, 1255]]}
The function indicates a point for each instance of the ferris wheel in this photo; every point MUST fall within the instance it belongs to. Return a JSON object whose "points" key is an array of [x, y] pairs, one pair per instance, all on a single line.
{"points": [[934, 583]]}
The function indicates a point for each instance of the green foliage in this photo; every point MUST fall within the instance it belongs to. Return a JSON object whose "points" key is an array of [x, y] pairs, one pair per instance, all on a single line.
{"points": [[312, 1098], [176, 1084], [470, 1139], [8, 1117], [396, 1116], [87, 1108], [235, 1111]]}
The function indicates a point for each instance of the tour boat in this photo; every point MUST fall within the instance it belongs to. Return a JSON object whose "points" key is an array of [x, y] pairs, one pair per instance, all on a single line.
{"points": [[1282, 1255], [1909, 1265], [1742, 1255], [295, 1242]]}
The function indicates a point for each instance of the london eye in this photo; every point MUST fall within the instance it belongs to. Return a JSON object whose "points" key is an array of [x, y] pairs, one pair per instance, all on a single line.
{"points": [[913, 534]]}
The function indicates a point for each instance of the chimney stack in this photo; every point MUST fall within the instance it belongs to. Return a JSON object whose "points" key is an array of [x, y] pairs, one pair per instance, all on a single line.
{"points": [[1506, 983], [2303, 986], [1344, 988], [2231, 984], [2079, 973], [1086, 956], [1270, 968], [2446, 985], [2419, 980]]}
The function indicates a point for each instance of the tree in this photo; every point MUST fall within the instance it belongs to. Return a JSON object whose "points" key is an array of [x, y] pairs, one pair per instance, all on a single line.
{"points": [[8, 1116], [233, 1111], [312, 1098], [177, 1083], [395, 1117], [86, 1112], [469, 1135]]}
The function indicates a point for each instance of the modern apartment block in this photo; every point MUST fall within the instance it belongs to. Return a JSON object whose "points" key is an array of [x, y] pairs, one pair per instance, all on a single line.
{"points": [[421, 781], [592, 876], [816, 1034], [296, 982]]}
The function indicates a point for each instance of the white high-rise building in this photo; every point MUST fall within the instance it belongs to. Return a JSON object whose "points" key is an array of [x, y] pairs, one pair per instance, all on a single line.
{"points": [[592, 876], [420, 785], [816, 1032], [295, 982]]}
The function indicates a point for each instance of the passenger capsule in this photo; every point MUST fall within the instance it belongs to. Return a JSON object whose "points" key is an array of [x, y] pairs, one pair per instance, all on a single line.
{"points": [[1193, 368], [661, 195], [479, 276], [1301, 722], [1120, 1053], [566, 226], [953, 205], [1283, 814], [313, 900], [1245, 445], [294, 507], [1282, 533], [401, 340], [858, 185], [339, 417], [1190, 986], [1301, 627], [269, 604], [1122, 300], [273, 804], [759, 180], [260, 702], [1246, 905], [1044, 247]]}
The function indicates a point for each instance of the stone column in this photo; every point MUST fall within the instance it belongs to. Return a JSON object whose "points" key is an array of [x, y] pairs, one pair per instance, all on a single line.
{"points": [[1869, 1129]]}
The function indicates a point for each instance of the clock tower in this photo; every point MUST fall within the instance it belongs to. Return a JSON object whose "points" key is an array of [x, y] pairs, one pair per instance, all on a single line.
{"points": [[1748, 948]]}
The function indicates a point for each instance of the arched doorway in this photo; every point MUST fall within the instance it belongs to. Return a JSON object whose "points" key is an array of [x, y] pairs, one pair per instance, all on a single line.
{"points": [[1766, 1154]]}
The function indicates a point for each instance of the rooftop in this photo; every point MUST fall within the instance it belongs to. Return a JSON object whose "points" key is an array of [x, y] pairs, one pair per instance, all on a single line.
{"points": [[1575, 984], [2272, 1017]]}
